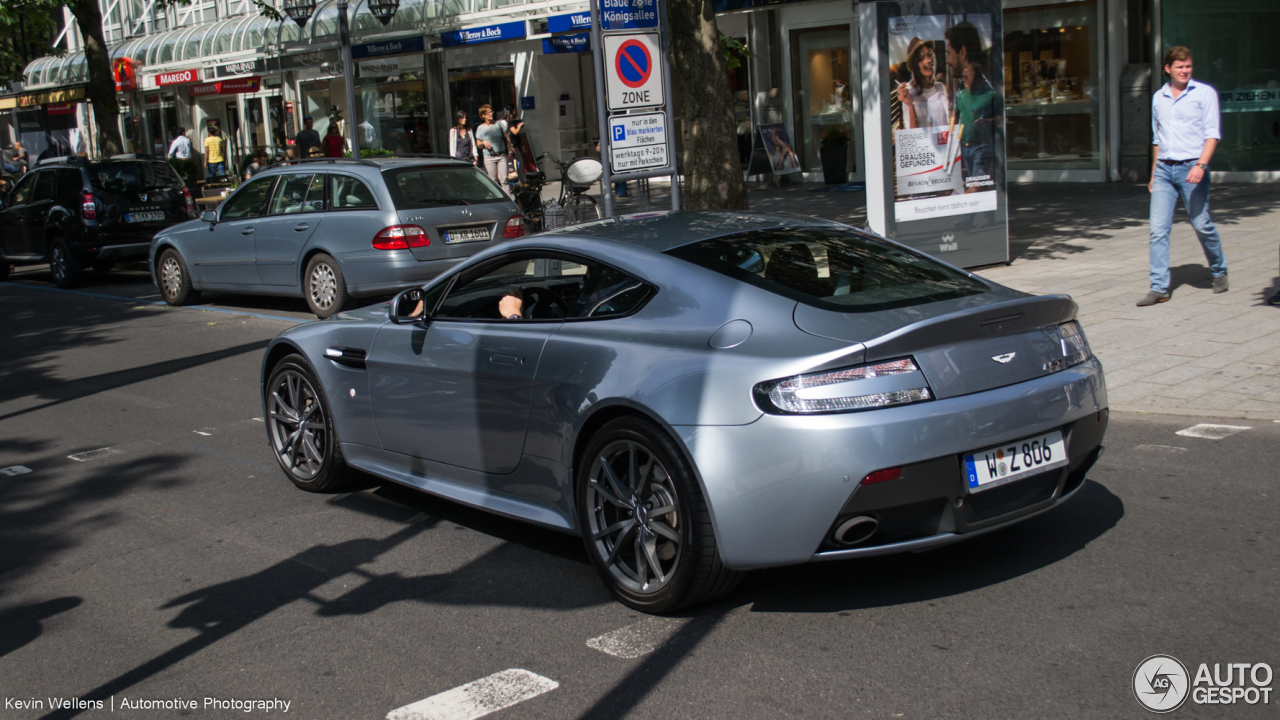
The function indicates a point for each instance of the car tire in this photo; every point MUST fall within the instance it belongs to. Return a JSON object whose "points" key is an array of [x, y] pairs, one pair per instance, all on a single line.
{"points": [[175, 279], [65, 267], [300, 429], [324, 286], [631, 467], [103, 266], [4, 269]]}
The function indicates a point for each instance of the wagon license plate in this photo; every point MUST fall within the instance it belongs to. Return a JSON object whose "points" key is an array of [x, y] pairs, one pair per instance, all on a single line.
{"points": [[135, 217], [461, 235], [1015, 460]]}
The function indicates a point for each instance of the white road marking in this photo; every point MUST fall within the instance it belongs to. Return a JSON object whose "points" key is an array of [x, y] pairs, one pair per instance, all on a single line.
{"points": [[478, 698], [634, 640], [93, 454], [256, 419], [1167, 448], [198, 432], [1212, 432], [14, 470]]}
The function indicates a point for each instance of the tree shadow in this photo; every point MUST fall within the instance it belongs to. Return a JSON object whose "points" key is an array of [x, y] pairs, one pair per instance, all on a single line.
{"points": [[20, 625]]}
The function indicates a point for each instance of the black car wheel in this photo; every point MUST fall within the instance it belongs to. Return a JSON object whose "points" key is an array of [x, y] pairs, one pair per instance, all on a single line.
{"points": [[174, 279], [300, 428], [644, 520], [325, 288], [65, 267], [4, 269]]}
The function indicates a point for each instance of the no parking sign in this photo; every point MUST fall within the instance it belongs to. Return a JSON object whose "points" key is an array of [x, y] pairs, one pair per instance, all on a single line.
{"points": [[633, 70]]}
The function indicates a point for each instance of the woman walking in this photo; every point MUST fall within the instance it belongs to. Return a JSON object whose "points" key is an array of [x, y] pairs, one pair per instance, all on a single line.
{"points": [[462, 143], [334, 144], [492, 138]]}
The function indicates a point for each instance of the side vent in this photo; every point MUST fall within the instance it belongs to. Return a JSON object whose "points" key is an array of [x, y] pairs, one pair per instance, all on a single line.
{"points": [[346, 357]]}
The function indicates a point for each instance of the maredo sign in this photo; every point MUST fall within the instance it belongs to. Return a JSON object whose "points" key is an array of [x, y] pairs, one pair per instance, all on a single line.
{"points": [[228, 87], [177, 78]]}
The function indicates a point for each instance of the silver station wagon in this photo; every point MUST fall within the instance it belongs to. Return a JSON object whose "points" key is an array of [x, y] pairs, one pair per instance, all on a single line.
{"points": [[329, 230]]}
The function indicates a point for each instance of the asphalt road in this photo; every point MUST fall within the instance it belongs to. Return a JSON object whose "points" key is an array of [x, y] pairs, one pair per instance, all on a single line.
{"points": [[177, 562]]}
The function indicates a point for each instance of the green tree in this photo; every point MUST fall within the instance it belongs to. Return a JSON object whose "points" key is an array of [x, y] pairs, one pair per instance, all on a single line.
{"points": [[708, 129]]}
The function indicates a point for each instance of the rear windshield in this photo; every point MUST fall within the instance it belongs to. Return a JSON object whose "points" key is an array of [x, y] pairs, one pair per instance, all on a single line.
{"points": [[428, 187], [132, 176], [830, 268]]}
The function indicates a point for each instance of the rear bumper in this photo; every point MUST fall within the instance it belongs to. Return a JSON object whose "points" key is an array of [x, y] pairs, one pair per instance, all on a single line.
{"points": [[777, 487], [373, 272], [129, 251]]}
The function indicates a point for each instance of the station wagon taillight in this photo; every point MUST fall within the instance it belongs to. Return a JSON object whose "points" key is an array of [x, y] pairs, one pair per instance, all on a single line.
{"points": [[88, 207], [514, 227], [401, 237]]}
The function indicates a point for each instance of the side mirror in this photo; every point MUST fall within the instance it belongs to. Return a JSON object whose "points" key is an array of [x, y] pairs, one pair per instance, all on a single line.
{"points": [[209, 216], [401, 307]]}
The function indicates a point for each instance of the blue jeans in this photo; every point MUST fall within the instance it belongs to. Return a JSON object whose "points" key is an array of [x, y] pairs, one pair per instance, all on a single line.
{"points": [[216, 169], [1169, 185]]}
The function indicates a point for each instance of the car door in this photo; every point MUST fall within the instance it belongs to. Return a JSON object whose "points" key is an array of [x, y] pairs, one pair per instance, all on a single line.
{"points": [[33, 214], [14, 218], [293, 215], [458, 390], [223, 252]]}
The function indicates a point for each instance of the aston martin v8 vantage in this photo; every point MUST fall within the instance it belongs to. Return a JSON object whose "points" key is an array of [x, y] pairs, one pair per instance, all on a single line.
{"points": [[702, 393]]}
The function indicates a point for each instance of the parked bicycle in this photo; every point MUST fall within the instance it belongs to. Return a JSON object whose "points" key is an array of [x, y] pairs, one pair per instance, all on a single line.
{"points": [[576, 178]]}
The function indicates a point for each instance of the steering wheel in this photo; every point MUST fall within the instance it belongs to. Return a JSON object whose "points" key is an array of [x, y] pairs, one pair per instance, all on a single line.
{"points": [[557, 305]]}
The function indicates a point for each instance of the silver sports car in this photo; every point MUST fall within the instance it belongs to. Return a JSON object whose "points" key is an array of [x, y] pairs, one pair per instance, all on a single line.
{"points": [[701, 393]]}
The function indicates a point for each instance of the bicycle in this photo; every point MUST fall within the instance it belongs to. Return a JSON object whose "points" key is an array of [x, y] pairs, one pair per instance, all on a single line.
{"points": [[576, 178]]}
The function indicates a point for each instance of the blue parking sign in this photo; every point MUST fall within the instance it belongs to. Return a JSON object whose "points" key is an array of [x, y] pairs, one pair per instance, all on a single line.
{"points": [[619, 133]]}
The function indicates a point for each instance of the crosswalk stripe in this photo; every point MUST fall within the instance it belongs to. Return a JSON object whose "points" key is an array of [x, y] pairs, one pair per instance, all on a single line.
{"points": [[635, 640], [1209, 431], [478, 698]]}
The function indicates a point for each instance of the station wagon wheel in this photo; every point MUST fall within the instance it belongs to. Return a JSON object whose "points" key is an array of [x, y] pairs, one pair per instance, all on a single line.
{"points": [[300, 428], [326, 289], [174, 279], [644, 521]]}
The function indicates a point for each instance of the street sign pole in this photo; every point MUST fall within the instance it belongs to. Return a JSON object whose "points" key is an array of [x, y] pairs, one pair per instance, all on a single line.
{"points": [[666, 90], [602, 111]]}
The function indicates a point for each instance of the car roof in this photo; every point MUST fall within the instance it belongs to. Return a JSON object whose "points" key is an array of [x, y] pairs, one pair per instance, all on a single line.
{"points": [[365, 165], [663, 231]]}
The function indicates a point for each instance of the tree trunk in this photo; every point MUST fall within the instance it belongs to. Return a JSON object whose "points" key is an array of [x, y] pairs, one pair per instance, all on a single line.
{"points": [[102, 83], [708, 130]]}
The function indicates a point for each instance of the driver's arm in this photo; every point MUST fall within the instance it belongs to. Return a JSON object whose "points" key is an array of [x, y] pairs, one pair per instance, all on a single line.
{"points": [[511, 306]]}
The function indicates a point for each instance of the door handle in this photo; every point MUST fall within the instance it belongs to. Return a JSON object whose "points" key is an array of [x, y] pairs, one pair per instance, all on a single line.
{"points": [[300, 227], [503, 359], [246, 231]]}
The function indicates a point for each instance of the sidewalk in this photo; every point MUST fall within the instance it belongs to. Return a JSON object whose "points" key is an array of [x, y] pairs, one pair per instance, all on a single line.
{"points": [[1198, 354]]}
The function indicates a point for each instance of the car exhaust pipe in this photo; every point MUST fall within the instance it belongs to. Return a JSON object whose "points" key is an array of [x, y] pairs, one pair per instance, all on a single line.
{"points": [[855, 530]]}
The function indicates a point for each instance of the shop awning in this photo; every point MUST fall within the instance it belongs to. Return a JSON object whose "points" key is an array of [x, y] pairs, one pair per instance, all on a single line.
{"points": [[61, 95]]}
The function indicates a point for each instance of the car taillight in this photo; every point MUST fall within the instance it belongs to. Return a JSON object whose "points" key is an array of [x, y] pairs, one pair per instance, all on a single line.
{"points": [[862, 387], [88, 207], [401, 237], [191, 204], [514, 228], [882, 475]]}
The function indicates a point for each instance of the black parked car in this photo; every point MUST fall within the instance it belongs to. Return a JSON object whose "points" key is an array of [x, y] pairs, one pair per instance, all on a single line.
{"points": [[75, 214]]}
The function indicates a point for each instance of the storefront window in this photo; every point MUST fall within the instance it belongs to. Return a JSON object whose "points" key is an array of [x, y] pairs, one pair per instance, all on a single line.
{"points": [[1232, 42], [1051, 86], [494, 85], [820, 74], [393, 113]]}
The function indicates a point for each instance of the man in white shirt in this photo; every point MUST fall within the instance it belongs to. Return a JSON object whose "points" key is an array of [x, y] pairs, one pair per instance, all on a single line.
{"points": [[180, 148], [1185, 132]]}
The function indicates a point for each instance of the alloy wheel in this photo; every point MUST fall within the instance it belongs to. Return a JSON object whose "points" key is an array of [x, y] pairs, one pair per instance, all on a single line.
{"points": [[171, 277], [58, 262], [324, 286], [634, 516], [299, 429]]}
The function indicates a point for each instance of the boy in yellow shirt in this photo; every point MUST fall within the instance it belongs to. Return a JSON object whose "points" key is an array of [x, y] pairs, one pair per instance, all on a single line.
{"points": [[215, 157]]}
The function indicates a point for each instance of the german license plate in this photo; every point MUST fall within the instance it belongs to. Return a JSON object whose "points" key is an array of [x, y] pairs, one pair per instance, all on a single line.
{"points": [[135, 217], [1014, 461], [461, 235]]}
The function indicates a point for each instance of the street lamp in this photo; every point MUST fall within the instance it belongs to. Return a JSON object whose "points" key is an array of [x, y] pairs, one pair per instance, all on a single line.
{"points": [[384, 10], [299, 11]]}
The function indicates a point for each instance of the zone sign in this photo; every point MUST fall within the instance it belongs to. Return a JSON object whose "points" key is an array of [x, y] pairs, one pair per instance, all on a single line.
{"points": [[633, 70]]}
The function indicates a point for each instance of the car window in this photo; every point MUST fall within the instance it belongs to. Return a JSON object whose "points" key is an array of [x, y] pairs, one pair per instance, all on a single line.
{"points": [[428, 187], [44, 186], [70, 182], [292, 195], [119, 177], [349, 193], [830, 268], [548, 287], [315, 194], [22, 193], [248, 200]]}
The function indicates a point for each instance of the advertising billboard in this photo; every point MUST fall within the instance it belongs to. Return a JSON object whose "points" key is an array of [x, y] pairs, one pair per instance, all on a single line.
{"points": [[934, 121]]}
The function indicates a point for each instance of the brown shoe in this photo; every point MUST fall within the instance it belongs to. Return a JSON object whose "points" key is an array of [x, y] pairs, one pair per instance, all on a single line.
{"points": [[1220, 284], [1152, 298]]}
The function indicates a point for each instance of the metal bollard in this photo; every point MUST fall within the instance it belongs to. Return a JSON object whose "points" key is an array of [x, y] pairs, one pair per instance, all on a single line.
{"points": [[552, 216]]}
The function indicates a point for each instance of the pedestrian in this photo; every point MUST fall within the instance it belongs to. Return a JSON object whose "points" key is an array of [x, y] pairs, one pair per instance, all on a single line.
{"points": [[180, 146], [290, 154], [334, 144], [462, 142], [215, 153], [1274, 299], [1185, 132], [491, 138], [15, 159], [307, 138], [258, 165]]}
